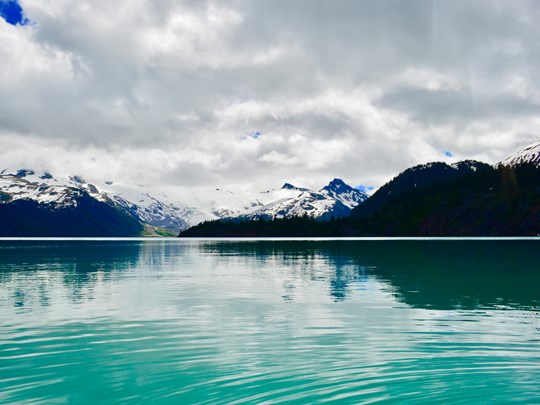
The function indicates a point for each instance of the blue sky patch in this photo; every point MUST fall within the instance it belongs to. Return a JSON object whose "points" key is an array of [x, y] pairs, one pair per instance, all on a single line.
{"points": [[365, 189], [254, 135], [12, 12], [448, 153]]}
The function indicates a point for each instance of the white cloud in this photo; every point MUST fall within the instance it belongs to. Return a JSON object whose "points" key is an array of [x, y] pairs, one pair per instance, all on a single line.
{"points": [[169, 91]]}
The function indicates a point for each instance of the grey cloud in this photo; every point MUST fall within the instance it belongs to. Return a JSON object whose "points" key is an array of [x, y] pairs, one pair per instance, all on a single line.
{"points": [[457, 107], [379, 84]]}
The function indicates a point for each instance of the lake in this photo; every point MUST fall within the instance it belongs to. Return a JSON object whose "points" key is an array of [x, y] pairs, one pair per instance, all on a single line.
{"points": [[273, 321]]}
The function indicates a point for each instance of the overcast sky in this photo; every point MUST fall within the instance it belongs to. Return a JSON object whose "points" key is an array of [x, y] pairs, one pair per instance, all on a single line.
{"points": [[253, 93]]}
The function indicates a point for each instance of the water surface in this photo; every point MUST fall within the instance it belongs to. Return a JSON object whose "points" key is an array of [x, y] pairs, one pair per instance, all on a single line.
{"points": [[180, 321]]}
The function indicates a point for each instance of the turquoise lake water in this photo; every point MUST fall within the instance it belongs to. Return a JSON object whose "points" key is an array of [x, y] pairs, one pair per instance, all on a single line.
{"points": [[242, 322]]}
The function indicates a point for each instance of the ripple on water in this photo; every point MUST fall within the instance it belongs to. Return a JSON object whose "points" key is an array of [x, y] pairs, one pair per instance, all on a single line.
{"points": [[188, 324], [176, 361]]}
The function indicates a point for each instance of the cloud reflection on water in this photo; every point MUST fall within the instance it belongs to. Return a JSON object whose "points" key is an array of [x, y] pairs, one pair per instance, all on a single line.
{"points": [[423, 274]]}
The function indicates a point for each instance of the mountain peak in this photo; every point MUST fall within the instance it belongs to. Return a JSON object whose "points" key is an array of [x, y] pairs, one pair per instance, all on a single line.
{"points": [[529, 154], [346, 194], [289, 186], [336, 184]]}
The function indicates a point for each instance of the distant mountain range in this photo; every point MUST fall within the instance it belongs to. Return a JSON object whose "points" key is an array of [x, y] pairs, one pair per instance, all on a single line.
{"points": [[468, 198], [40, 204]]}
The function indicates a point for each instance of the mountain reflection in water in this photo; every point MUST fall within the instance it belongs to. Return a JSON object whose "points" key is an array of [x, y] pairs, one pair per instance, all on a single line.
{"points": [[435, 274]]}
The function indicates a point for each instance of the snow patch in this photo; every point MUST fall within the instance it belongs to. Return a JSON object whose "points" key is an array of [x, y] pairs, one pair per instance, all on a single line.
{"points": [[529, 154]]}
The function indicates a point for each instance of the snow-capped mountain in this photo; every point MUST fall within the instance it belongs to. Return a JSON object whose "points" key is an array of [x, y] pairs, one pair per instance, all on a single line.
{"points": [[153, 206], [289, 200], [155, 212], [344, 193], [334, 200], [529, 154], [309, 203], [45, 189], [38, 204], [56, 193]]}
